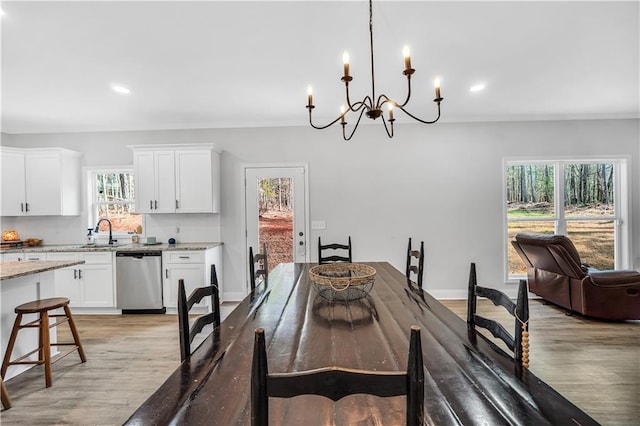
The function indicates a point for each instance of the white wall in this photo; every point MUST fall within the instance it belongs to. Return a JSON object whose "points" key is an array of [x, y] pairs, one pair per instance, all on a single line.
{"points": [[441, 184]]}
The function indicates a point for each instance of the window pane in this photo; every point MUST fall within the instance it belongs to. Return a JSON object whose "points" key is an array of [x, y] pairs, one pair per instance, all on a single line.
{"points": [[122, 217], [594, 240], [530, 189], [588, 189], [114, 187], [516, 266]]}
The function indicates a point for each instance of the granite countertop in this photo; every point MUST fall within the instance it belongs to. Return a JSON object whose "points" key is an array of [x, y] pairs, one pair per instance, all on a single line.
{"points": [[15, 269], [116, 247]]}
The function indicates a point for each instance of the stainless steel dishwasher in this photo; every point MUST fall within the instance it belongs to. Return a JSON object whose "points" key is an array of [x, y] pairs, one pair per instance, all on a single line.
{"points": [[139, 282]]}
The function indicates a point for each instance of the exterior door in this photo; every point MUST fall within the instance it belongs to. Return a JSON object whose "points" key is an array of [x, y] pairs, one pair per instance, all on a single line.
{"points": [[276, 212]]}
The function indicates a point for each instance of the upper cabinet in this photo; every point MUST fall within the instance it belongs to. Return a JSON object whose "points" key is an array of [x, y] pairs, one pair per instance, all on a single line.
{"points": [[40, 182], [177, 178], [155, 181]]}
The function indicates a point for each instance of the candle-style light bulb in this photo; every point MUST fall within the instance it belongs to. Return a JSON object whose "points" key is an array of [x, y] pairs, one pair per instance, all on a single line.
{"points": [[407, 57], [343, 110], [345, 61], [310, 95], [436, 83], [390, 106]]}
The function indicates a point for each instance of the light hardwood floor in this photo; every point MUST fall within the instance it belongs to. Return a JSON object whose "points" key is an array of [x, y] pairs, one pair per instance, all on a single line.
{"points": [[594, 364]]}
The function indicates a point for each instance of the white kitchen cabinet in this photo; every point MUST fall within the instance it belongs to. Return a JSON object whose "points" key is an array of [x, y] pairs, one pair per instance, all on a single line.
{"points": [[23, 256], [88, 285], [194, 266], [177, 178], [40, 182], [10, 257], [155, 181], [188, 265]]}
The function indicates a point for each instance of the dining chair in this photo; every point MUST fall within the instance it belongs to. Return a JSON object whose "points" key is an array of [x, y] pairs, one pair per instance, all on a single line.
{"points": [[188, 331], [334, 246], [335, 383], [415, 269], [262, 271], [519, 342]]}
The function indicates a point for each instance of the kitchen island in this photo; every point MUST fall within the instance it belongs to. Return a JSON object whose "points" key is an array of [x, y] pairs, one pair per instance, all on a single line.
{"points": [[22, 282]]}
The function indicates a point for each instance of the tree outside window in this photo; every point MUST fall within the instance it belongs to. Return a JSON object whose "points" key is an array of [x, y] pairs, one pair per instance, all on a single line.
{"points": [[114, 199], [572, 198]]}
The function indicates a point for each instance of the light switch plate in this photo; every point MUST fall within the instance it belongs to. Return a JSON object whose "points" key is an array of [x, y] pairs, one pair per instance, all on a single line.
{"points": [[318, 224]]}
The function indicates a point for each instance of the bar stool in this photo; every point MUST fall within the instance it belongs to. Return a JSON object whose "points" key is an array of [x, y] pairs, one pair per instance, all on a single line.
{"points": [[6, 401], [42, 307]]}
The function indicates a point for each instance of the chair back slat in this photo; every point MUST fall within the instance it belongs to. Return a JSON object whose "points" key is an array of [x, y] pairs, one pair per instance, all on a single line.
{"points": [[336, 383], [334, 257]]}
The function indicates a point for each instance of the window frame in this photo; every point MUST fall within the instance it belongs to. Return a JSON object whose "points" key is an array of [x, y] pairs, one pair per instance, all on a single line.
{"points": [[92, 203], [620, 217]]}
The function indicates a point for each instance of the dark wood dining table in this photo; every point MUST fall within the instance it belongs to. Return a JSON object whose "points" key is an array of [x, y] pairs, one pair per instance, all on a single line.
{"points": [[468, 379]]}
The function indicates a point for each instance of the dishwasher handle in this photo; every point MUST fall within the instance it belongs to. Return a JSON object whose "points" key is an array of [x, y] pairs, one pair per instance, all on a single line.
{"points": [[138, 254]]}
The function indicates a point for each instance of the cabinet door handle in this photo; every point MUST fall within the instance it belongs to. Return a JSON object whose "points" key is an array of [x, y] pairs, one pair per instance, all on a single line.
{"points": [[177, 204], [26, 207], [79, 274], [34, 258], [156, 204], [184, 257], [151, 204], [166, 273], [75, 274], [22, 207]]}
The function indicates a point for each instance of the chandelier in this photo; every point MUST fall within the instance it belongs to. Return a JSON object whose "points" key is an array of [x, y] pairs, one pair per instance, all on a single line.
{"points": [[366, 105]]}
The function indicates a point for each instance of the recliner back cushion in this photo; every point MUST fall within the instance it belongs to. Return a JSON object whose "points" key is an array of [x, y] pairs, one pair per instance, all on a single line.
{"points": [[536, 247]]}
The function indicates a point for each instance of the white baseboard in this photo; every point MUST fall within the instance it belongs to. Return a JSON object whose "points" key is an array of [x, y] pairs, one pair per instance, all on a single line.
{"points": [[232, 297]]}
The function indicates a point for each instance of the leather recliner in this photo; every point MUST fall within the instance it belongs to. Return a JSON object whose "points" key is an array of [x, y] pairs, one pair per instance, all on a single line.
{"points": [[556, 274]]}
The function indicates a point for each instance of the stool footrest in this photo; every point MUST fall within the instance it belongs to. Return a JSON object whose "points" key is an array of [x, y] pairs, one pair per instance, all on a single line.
{"points": [[27, 355], [61, 355], [58, 322]]}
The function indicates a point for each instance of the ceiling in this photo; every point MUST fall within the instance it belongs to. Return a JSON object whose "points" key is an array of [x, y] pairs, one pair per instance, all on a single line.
{"points": [[248, 64]]}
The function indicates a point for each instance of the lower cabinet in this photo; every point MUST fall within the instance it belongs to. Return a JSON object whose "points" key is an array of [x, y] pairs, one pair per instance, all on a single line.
{"points": [[23, 256], [194, 267], [88, 285], [188, 265]]}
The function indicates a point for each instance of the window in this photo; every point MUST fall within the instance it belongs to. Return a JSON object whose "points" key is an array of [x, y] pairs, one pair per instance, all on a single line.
{"points": [[580, 199], [112, 196]]}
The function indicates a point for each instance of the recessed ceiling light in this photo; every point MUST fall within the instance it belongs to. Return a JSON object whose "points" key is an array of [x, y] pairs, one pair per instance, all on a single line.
{"points": [[120, 89], [477, 87]]}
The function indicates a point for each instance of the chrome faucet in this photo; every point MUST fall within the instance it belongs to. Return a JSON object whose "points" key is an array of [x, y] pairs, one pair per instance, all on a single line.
{"points": [[104, 219]]}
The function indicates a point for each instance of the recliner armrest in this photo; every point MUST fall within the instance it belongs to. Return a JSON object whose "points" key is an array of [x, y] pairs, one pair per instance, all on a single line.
{"points": [[615, 278]]}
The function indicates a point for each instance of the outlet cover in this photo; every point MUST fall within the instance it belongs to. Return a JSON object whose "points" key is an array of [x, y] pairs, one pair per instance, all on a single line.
{"points": [[318, 224]]}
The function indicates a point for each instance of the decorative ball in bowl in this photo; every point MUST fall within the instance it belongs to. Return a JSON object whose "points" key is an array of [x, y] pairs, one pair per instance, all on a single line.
{"points": [[342, 281]]}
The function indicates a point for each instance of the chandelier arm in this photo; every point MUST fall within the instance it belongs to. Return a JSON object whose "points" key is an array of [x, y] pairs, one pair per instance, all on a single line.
{"points": [[323, 127], [406, 101], [344, 134], [386, 128], [346, 88], [358, 105], [379, 104], [418, 119]]}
